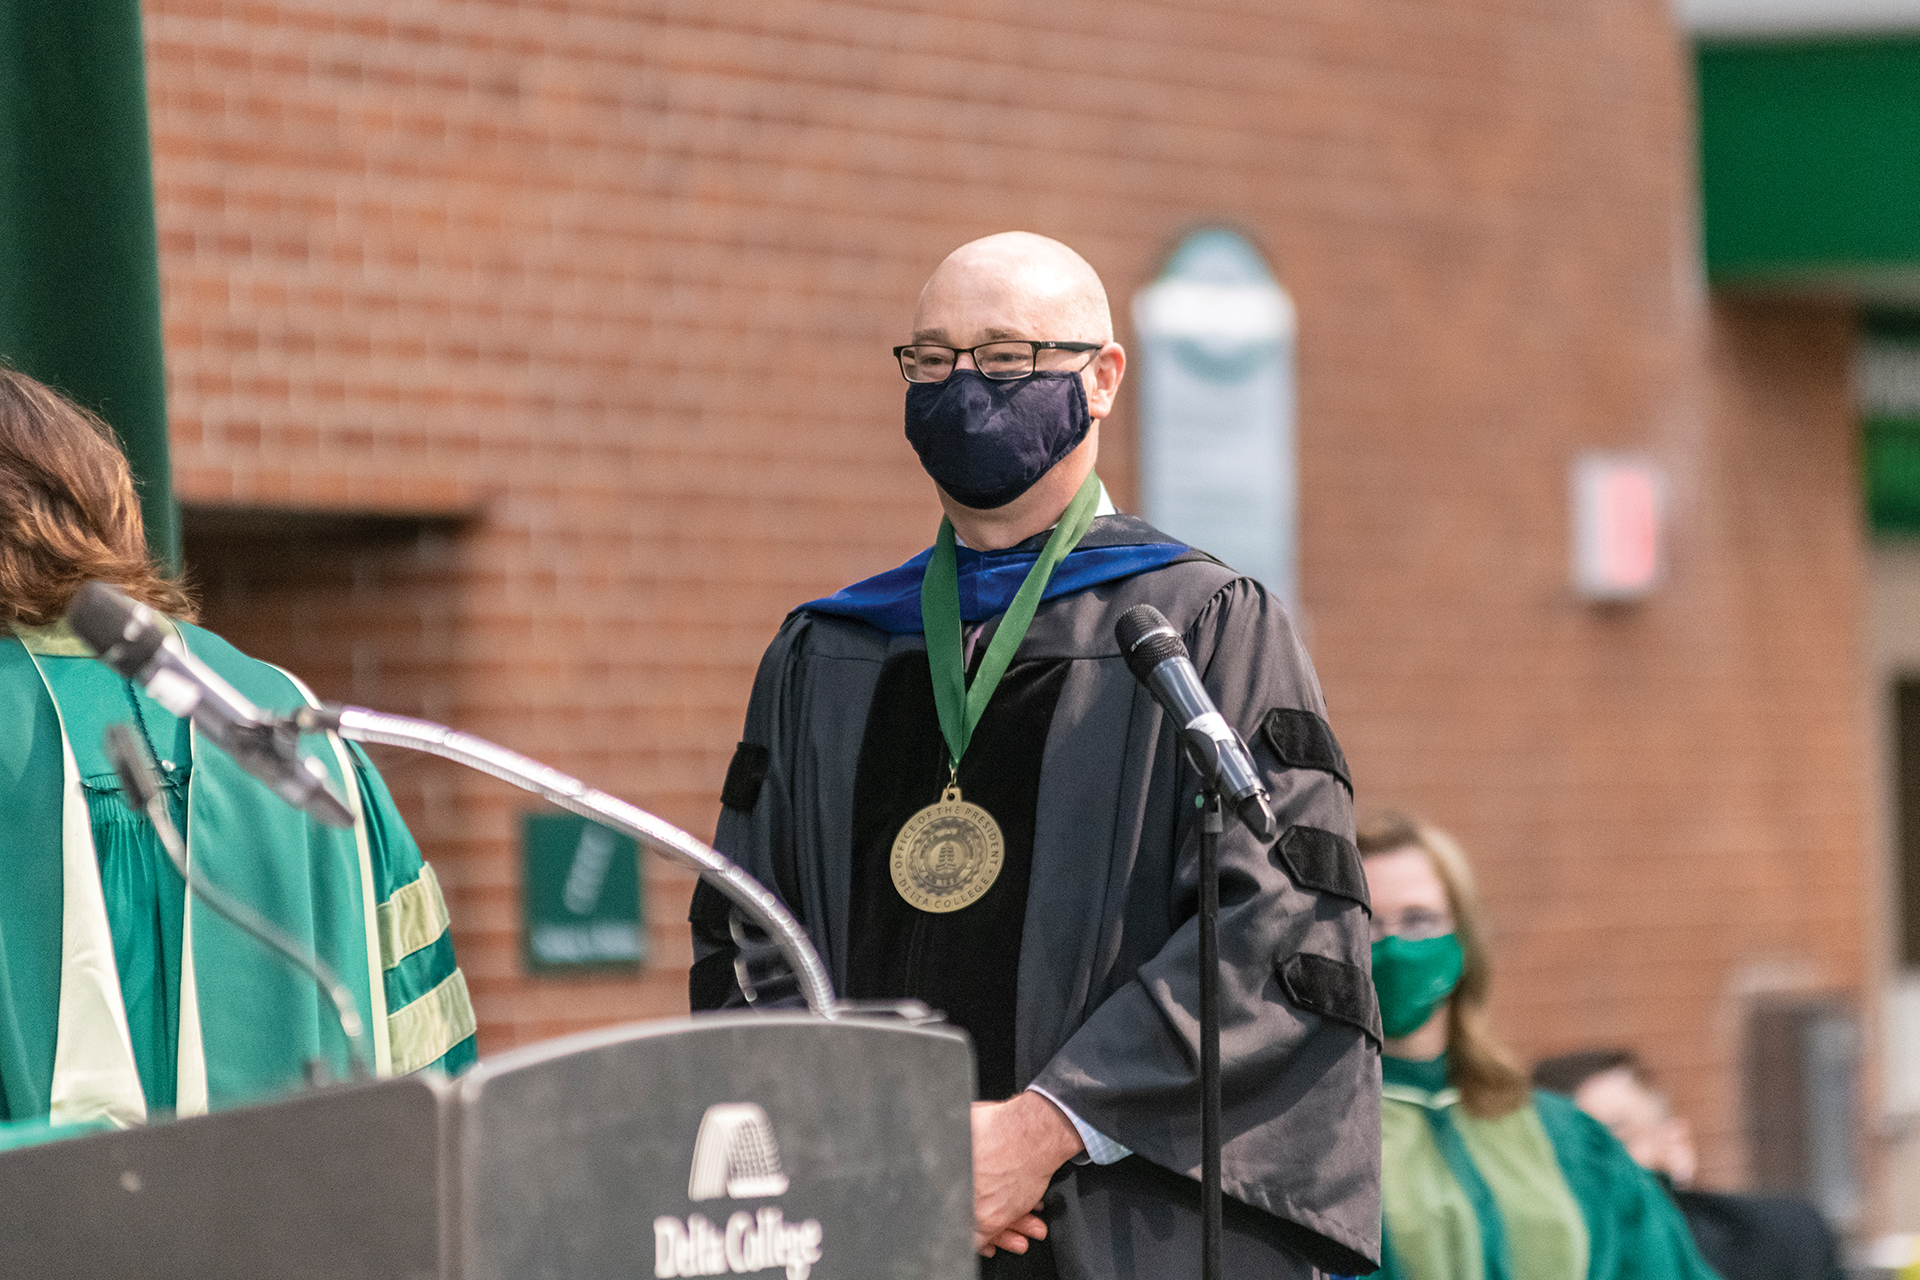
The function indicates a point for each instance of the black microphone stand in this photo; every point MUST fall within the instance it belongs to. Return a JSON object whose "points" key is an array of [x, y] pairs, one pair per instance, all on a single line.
{"points": [[1212, 823], [1158, 659]]}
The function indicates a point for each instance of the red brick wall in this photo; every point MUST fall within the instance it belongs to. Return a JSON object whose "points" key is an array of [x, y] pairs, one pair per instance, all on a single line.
{"points": [[614, 283], [1666, 801]]}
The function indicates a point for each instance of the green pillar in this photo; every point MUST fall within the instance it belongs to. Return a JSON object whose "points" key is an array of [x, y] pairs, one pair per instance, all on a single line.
{"points": [[79, 258]]}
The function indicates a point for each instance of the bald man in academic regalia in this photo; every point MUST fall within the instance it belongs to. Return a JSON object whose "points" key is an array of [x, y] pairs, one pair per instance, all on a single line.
{"points": [[120, 999], [951, 778]]}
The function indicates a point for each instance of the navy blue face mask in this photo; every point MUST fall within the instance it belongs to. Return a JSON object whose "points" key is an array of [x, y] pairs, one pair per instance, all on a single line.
{"points": [[987, 441]]}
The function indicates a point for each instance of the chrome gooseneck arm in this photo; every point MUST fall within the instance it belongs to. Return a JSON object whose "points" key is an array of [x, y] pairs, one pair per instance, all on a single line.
{"points": [[575, 796]]}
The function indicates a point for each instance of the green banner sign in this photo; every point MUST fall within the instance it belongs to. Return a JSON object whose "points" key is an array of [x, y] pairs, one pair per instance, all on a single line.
{"points": [[79, 265], [1810, 163], [582, 896]]}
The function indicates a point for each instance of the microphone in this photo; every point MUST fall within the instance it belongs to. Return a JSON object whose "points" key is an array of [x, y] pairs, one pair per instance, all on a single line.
{"points": [[1158, 659], [140, 791], [127, 636]]}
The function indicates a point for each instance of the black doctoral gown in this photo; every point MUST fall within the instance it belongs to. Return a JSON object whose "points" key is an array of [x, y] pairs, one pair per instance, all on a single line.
{"points": [[1077, 971]]}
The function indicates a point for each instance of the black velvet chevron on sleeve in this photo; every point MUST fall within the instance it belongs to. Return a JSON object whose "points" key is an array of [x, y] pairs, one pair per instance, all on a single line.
{"points": [[1302, 740], [1323, 860], [1333, 989], [744, 777], [741, 965], [710, 982]]}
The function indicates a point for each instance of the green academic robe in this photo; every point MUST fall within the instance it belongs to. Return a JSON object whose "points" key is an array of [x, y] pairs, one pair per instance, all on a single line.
{"points": [[1541, 1193], [121, 998]]}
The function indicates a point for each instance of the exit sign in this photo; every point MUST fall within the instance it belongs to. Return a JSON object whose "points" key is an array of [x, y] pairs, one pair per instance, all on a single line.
{"points": [[581, 893]]}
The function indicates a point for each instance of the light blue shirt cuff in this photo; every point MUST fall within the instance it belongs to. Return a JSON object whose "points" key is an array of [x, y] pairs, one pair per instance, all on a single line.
{"points": [[1100, 1148]]}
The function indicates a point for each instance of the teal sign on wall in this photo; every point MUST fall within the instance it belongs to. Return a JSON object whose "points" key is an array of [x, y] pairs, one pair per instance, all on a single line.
{"points": [[582, 895]]}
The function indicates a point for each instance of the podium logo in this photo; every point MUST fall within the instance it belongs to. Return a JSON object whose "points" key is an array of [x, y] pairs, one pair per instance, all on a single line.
{"points": [[749, 1242], [735, 1155]]}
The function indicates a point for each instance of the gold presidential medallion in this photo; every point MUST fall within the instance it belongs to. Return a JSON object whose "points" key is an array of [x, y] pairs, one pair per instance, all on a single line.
{"points": [[948, 855]]}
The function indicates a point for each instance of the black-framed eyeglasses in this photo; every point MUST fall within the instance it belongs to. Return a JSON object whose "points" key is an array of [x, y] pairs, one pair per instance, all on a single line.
{"points": [[926, 362]]}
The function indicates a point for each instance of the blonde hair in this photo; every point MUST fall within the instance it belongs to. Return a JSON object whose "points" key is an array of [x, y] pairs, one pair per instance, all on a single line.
{"points": [[69, 513], [1486, 1074]]}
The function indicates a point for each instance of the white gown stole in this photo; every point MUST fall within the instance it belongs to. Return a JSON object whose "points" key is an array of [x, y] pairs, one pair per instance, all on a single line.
{"points": [[94, 1075]]}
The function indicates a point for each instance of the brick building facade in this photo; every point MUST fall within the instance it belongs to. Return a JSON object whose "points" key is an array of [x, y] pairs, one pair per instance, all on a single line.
{"points": [[527, 363]]}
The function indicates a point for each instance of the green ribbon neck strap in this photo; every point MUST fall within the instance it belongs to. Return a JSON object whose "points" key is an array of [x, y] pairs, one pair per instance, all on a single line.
{"points": [[960, 706]]}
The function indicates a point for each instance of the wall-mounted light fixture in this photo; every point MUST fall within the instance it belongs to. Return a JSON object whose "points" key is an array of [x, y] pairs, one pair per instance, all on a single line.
{"points": [[1617, 502]]}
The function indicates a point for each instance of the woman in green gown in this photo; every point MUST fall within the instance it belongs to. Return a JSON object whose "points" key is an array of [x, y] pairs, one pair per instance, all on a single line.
{"points": [[121, 998], [1483, 1179]]}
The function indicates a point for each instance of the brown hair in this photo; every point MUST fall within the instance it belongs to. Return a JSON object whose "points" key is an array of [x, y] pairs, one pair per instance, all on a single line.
{"points": [[68, 510], [1489, 1081]]}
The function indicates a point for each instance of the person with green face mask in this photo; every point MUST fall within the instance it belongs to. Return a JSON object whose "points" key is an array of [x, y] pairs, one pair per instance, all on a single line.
{"points": [[1482, 1179]]}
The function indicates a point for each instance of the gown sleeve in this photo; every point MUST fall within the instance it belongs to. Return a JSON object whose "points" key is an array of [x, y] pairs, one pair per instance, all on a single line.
{"points": [[1635, 1229], [1299, 1026], [755, 817], [430, 1020]]}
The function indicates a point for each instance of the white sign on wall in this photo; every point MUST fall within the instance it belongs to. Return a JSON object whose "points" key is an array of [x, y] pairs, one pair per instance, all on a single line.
{"points": [[1218, 469]]}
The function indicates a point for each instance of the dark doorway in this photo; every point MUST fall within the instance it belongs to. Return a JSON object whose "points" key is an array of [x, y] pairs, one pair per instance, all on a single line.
{"points": [[363, 608]]}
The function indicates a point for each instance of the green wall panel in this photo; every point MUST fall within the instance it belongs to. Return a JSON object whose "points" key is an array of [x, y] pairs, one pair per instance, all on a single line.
{"points": [[1885, 371], [1893, 475], [1810, 161]]}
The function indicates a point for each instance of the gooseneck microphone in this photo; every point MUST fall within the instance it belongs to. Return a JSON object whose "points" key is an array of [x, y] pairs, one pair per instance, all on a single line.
{"points": [[1158, 659], [127, 636], [140, 791]]}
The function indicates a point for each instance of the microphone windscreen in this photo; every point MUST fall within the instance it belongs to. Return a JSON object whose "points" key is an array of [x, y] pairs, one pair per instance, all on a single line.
{"points": [[1147, 639], [102, 616], [1258, 817]]}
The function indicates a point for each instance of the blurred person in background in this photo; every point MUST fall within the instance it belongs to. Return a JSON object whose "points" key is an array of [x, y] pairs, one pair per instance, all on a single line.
{"points": [[1481, 1177], [1744, 1237], [120, 1000]]}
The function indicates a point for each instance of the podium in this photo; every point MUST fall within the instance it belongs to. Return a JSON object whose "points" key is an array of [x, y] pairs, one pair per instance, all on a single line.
{"points": [[782, 1145]]}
